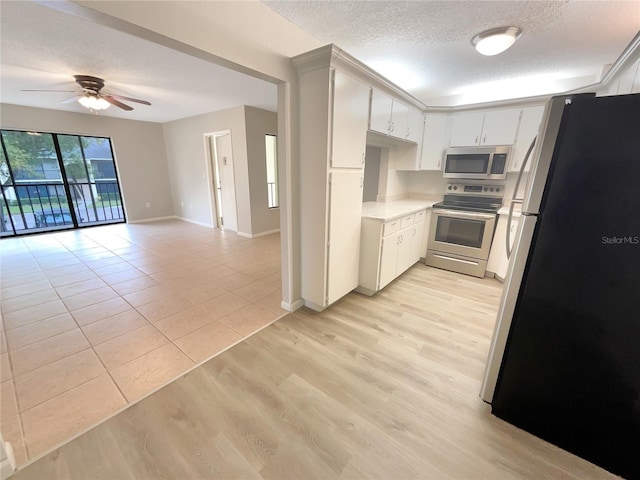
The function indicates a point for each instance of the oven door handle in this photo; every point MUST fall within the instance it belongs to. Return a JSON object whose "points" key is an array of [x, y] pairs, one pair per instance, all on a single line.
{"points": [[459, 214]]}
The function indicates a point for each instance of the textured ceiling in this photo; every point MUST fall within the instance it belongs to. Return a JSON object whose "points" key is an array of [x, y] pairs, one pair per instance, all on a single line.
{"points": [[424, 46], [43, 48]]}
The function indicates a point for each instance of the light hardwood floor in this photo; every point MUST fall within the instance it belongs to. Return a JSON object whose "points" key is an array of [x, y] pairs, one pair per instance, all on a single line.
{"points": [[382, 387]]}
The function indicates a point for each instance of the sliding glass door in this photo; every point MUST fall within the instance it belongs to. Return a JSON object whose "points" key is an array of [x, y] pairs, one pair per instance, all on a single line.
{"points": [[54, 181]]}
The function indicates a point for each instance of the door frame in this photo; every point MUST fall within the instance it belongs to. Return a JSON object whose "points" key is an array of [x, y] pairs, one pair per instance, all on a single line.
{"points": [[210, 157]]}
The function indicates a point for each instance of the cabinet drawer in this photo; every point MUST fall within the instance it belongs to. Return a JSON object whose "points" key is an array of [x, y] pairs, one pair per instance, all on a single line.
{"points": [[407, 221], [420, 216], [391, 227]]}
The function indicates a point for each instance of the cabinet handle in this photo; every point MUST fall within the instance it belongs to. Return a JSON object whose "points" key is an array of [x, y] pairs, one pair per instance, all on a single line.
{"points": [[363, 154], [392, 127], [484, 140]]}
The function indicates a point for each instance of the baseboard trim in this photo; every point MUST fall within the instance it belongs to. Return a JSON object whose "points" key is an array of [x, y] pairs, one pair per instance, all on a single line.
{"points": [[188, 220], [314, 306], [256, 235], [154, 219], [292, 307]]}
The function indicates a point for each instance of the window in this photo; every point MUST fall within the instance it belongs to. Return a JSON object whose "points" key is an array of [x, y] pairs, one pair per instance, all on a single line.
{"points": [[53, 181], [272, 170]]}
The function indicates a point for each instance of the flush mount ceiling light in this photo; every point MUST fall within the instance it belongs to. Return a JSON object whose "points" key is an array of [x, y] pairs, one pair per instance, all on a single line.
{"points": [[93, 102], [496, 40]]}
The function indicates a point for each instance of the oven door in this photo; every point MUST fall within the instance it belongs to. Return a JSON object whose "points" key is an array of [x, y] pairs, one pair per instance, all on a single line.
{"points": [[462, 233]]}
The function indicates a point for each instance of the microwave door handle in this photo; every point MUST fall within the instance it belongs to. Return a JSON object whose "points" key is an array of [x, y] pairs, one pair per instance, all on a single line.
{"points": [[527, 156]]}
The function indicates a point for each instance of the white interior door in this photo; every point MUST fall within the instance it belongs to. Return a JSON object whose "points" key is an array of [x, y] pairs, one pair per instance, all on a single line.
{"points": [[224, 161]]}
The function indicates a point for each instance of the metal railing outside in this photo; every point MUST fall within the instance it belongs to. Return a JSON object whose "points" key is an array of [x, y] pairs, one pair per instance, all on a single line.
{"points": [[33, 207]]}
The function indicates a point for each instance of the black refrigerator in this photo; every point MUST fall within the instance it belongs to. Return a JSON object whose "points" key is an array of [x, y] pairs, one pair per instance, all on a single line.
{"points": [[564, 362]]}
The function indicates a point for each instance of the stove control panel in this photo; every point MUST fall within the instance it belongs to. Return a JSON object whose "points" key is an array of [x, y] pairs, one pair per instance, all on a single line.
{"points": [[475, 189]]}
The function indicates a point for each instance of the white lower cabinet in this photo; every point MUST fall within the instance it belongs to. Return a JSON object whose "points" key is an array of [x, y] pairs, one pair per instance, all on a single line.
{"points": [[388, 249]]}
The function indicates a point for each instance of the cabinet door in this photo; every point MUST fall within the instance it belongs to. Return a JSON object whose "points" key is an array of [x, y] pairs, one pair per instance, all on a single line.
{"points": [[399, 120], [500, 127], [527, 131], [434, 141], [381, 105], [345, 212], [415, 126], [404, 250], [388, 260], [466, 129], [350, 116], [416, 243]]}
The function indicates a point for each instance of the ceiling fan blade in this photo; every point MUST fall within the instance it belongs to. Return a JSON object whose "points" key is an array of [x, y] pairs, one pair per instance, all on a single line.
{"points": [[63, 91], [72, 99], [116, 103], [137, 100]]}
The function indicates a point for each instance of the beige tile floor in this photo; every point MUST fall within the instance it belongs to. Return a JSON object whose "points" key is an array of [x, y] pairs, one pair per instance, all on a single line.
{"points": [[95, 319]]}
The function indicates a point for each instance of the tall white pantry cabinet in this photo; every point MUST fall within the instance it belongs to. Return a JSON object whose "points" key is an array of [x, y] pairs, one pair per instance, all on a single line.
{"points": [[334, 115]]}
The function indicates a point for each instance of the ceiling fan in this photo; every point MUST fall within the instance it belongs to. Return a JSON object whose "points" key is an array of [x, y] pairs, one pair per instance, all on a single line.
{"points": [[92, 96]]}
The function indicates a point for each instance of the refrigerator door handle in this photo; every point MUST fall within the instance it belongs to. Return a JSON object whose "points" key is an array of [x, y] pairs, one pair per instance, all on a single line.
{"points": [[527, 156], [514, 198], [509, 219]]}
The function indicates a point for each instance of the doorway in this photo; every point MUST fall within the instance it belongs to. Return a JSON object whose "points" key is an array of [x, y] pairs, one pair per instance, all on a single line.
{"points": [[220, 155]]}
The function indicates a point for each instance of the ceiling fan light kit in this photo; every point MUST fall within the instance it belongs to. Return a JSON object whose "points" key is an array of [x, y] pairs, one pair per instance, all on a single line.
{"points": [[92, 97], [93, 102], [496, 40]]}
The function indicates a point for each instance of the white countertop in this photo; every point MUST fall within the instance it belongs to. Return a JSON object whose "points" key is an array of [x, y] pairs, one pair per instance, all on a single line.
{"points": [[390, 210]]}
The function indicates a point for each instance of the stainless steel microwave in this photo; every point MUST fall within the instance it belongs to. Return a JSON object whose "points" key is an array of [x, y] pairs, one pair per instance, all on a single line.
{"points": [[478, 163]]}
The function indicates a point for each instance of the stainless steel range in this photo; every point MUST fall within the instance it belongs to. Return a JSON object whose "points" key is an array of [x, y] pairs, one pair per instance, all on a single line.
{"points": [[462, 227]]}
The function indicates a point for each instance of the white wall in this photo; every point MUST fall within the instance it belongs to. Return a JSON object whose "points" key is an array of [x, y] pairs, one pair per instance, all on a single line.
{"points": [[138, 148], [393, 184], [258, 124], [371, 174], [190, 171]]}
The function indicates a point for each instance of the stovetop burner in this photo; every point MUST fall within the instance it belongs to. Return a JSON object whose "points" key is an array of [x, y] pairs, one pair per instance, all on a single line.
{"points": [[469, 207], [472, 198]]}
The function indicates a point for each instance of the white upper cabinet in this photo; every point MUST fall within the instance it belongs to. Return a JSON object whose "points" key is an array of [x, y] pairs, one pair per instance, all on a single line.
{"points": [[466, 129], [527, 131], [500, 127], [496, 127], [394, 118], [399, 120], [381, 105], [436, 127], [415, 125], [350, 117]]}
